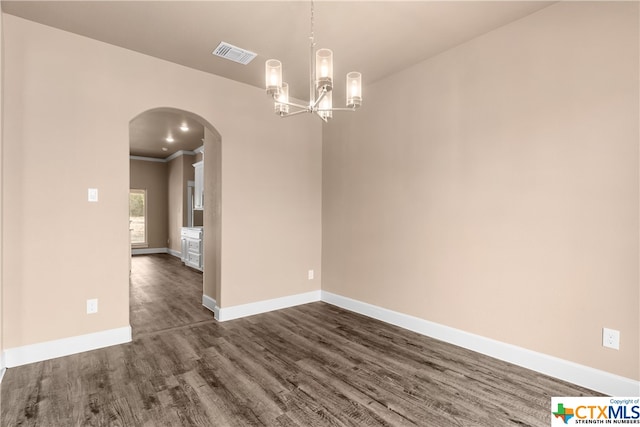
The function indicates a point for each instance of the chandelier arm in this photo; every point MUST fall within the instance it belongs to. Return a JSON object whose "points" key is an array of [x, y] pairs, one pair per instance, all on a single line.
{"points": [[295, 113], [324, 119], [341, 109], [291, 104], [314, 104]]}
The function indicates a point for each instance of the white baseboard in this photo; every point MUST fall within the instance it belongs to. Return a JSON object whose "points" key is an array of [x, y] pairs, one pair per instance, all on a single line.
{"points": [[3, 367], [66, 346], [149, 251], [237, 311], [585, 376], [211, 304]]}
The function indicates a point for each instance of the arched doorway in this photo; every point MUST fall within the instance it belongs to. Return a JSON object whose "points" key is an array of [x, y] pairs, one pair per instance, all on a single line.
{"points": [[171, 141]]}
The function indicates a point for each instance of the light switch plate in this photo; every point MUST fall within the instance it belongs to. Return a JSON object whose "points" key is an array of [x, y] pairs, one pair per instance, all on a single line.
{"points": [[93, 194]]}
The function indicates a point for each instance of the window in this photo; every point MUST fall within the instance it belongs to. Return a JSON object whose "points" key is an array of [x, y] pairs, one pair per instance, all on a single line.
{"points": [[138, 217]]}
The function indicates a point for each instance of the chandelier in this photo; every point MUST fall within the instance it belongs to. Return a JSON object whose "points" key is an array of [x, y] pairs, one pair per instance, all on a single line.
{"points": [[320, 85]]}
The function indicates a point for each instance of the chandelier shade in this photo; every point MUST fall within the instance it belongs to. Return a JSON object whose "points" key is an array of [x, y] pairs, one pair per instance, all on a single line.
{"points": [[325, 109], [353, 89], [324, 69], [273, 76], [281, 105], [320, 85]]}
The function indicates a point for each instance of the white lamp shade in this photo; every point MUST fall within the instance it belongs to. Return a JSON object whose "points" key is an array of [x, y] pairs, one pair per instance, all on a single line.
{"points": [[283, 96], [273, 76], [325, 106], [324, 69], [354, 89]]}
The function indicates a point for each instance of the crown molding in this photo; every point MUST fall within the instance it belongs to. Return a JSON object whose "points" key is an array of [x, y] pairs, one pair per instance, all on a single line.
{"points": [[179, 154], [171, 157], [147, 159]]}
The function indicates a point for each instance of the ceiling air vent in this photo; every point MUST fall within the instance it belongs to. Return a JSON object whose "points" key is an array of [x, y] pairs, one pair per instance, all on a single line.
{"points": [[233, 53]]}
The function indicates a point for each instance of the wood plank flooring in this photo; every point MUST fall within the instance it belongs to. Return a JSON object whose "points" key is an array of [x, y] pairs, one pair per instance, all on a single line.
{"points": [[164, 294], [311, 365]]}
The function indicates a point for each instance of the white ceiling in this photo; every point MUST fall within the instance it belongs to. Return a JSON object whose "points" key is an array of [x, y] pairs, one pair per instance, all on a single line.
{"points": [[377, 38]]}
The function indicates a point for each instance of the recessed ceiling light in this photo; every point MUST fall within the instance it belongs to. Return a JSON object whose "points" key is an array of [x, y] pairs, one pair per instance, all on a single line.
{"points": [[170, 139], [165, 149], [184, 127]]}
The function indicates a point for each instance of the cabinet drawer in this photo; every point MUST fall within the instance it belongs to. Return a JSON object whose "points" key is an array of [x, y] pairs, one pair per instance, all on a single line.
{"points": [[193, 246], [191, 233], [194, 259]]}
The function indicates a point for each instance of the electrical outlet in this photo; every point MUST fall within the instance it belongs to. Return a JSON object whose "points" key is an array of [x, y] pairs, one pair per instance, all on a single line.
{"points": [[92, 306], [611, 338], [92, 195], [310, 275]]}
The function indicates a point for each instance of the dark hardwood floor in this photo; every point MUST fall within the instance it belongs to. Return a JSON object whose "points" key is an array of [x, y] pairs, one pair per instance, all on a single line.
{"points": [[164, 294], [312, 365]]}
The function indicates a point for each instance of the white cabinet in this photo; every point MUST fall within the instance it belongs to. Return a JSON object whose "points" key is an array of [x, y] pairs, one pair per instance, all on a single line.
{"points": [[198, 190], [183, 246], [192, 244]]}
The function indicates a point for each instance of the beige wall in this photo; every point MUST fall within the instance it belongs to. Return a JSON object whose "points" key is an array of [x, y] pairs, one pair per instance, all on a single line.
{"points": [[1, 186], [66, 95], [152, 176], [212, 215], [198, 218], [494, 188], [180, 171], [175, 178], [188, 174]]}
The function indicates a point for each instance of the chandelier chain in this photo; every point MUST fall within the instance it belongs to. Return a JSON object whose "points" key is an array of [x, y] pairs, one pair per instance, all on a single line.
{"points": [[312, 37], [312, 72]]}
